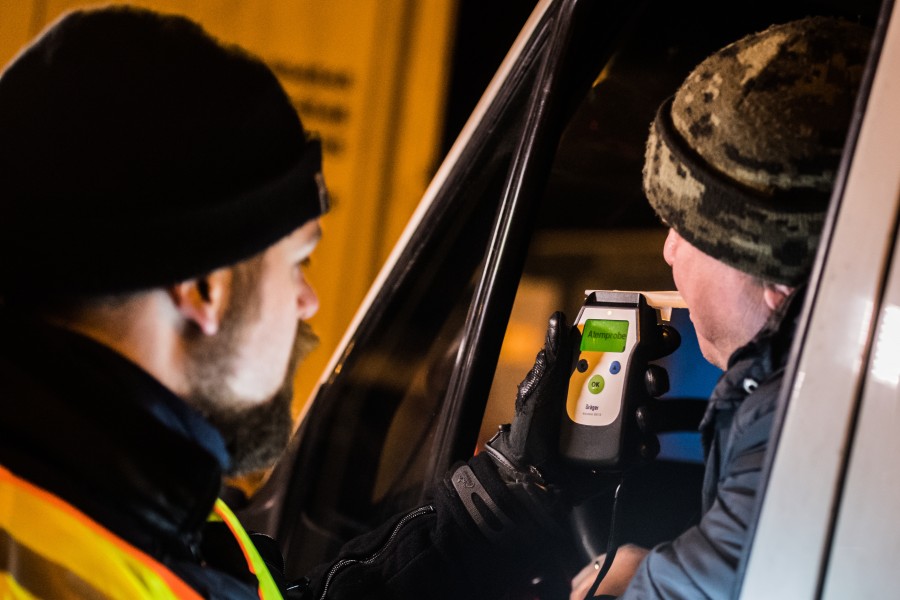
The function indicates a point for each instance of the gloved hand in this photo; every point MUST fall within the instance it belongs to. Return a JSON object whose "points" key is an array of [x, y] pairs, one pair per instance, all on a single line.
{"points": [[503, 489], [530, 445], [656, 382], [502, 493]]}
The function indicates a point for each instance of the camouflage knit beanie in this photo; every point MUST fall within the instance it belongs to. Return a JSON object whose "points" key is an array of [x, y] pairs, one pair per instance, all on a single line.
{"points": [[741, 161]]}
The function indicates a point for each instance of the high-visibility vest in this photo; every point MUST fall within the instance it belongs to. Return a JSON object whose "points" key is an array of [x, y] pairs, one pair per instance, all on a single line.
{"points": [[50, 549], [268, 590]]}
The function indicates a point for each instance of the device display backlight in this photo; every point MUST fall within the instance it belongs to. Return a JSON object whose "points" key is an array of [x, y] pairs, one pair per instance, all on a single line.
{"points": [[604, 335]]}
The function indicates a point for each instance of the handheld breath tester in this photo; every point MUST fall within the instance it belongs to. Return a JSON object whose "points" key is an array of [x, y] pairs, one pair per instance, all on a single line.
{"points": [[620, 334]]}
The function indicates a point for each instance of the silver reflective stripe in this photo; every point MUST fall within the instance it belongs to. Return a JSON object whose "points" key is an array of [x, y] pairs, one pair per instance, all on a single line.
{"points": [[40, 577], [467, 487]]}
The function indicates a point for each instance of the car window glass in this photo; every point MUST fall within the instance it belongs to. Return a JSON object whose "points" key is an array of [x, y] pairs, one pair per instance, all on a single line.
{"points": [[366, 439]]}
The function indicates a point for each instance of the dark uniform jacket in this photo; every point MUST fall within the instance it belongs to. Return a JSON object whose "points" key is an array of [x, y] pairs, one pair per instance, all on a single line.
{"points": [[89, 426], [702, 562]]}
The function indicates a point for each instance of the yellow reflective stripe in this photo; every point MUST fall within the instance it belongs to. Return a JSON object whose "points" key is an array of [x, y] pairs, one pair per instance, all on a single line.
{"points": [[267, 588], [11, 590], [59, 533]]}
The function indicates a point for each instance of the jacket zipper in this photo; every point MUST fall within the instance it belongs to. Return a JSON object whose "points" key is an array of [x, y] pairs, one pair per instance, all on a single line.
{"points": [[339, 565]]}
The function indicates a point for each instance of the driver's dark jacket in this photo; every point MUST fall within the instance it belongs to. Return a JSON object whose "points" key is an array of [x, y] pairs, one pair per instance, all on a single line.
{"points": [[702, 562], [89, 426]]}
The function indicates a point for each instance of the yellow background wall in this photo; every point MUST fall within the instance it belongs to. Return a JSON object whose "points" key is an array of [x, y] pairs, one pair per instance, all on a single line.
{"points": [[370, 77]]}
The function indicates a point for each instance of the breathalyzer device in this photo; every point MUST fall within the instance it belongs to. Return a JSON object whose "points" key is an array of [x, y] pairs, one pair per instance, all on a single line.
{"points": [[620, 333]]}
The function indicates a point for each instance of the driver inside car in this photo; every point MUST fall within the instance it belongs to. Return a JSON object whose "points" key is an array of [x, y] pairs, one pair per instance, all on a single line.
{"points": [[740, 165]]}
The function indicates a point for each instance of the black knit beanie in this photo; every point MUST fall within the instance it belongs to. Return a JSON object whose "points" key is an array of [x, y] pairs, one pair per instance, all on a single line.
{"points": [[137, 151], [741, 162]]}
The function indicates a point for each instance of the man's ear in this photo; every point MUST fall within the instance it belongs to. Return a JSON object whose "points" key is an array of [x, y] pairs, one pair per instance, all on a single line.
{"points": [[203, 300], [775, 294]]}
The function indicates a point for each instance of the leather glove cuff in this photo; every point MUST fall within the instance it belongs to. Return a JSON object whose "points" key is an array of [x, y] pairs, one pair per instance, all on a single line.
{"points": [[505, 508], [497, 448]]}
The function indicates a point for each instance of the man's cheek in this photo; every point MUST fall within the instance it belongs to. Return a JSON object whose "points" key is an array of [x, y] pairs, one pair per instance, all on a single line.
{"points": [[706, 348]]}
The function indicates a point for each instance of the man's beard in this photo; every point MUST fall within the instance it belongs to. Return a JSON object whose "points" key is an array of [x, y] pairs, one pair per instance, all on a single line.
{"points": [[255, 433]]}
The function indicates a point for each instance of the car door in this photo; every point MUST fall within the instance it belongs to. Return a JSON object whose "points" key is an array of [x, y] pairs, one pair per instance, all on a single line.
{"points": [[538, 200]]}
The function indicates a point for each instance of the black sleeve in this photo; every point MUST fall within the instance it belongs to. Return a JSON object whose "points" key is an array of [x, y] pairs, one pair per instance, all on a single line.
{"points": [[436, 551]]}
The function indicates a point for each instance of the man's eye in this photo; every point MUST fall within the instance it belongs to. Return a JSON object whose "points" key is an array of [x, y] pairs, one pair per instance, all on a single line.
{"points": [[301, 266]]}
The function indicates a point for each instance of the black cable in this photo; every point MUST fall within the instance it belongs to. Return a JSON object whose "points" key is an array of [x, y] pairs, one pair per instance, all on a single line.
{"points": [[611, 544]]}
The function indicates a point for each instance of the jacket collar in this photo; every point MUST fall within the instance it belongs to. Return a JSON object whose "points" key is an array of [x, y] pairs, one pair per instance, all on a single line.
{"points": [[92, 427], [756, 361]]}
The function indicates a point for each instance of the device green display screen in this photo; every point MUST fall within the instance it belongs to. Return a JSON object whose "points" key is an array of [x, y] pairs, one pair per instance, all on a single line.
{"points": [[602, 335]]}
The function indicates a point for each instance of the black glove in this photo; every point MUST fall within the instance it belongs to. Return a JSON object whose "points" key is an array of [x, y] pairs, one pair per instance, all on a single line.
{"points": [[656, 380], [530, 445], [503, 490]]}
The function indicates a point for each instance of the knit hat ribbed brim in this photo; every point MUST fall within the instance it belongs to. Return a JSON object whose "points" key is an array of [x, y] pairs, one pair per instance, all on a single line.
{"points": [[741, 162]]}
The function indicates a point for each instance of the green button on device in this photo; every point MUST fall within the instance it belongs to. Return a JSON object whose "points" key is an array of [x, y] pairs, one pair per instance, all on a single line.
{"points": [[595, 384]]}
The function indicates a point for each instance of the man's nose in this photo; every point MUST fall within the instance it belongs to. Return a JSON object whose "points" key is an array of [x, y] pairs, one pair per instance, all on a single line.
{"points": [[307, 302], [669, 247]]}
